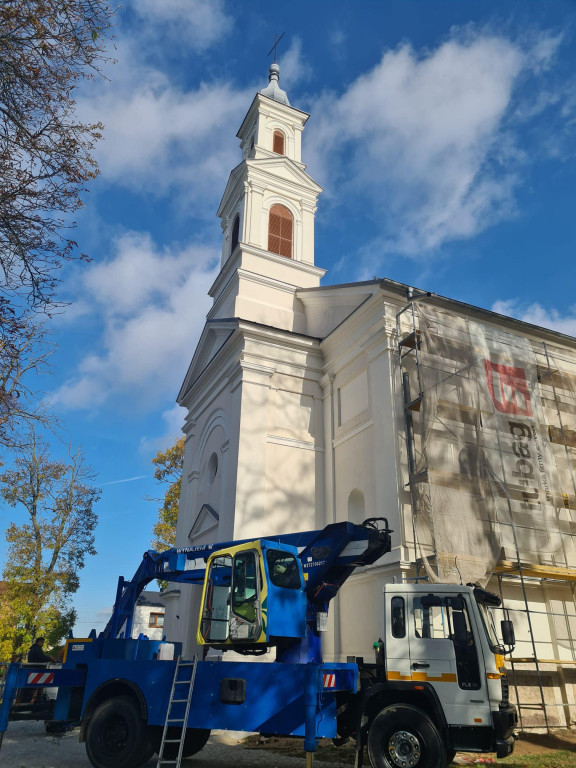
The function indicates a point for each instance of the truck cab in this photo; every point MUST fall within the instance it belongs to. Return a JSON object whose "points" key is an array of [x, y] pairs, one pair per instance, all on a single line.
{"points": [[439, 684], [253, 597]]}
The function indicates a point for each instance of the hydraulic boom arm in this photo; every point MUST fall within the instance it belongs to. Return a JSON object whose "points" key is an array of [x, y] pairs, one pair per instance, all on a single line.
{"points": [[328, 558]]}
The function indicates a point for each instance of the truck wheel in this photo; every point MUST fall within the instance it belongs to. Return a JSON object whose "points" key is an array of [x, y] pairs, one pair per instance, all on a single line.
{"points": [[450, 755], [116, 736], [194, 740], [402, 736]]}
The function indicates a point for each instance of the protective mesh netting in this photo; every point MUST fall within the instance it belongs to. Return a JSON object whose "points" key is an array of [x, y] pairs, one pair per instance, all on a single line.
{"points": [[495, 460]]}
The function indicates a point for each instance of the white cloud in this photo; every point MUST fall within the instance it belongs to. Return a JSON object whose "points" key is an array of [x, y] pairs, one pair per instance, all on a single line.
{"points": [[151, 304], [536, 314], [200, 23], [294, 67], [424, 140], [160, 136], [173, 422], [125, 480]]}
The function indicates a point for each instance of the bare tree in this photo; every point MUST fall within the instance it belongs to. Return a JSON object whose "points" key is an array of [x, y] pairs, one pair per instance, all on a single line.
{"points": [[46, 48], [24, 353]]}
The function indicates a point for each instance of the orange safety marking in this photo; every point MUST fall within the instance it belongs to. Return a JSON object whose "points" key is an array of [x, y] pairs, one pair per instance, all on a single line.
{"points": [[421, 677], [74, 641], [397, 676]]}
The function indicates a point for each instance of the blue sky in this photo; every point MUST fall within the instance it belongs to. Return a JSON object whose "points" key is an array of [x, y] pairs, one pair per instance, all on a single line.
{"points": [[443, 133]]}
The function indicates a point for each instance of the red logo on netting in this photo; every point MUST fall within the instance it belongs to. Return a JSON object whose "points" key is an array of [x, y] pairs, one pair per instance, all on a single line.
{"points": [[508, 389]]}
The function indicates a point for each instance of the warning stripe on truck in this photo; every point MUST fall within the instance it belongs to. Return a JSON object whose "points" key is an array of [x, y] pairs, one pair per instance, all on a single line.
{"points": [[445, 677], [40, 678], [329, 681]]}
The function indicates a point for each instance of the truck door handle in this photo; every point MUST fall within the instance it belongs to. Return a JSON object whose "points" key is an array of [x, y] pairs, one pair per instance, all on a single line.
{"points": [[417, 665]]}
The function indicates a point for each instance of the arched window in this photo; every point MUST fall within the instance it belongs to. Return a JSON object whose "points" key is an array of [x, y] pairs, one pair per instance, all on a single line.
{"points": [[280, 231], [356, 507], [235, 233], [278, 143]]}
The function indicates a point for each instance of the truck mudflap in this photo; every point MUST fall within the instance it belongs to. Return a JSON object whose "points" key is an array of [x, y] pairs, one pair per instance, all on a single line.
{"points": [[504, 747]]}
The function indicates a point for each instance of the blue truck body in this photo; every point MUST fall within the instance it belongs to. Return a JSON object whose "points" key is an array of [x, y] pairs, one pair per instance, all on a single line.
{"points": [[294, 696]]}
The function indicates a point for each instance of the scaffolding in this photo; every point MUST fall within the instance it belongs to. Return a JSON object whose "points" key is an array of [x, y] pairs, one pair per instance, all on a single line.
{"points": [[491, 454]]}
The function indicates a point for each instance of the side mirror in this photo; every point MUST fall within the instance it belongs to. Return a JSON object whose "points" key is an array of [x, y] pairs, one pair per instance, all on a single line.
{"points": [[507, 630]]}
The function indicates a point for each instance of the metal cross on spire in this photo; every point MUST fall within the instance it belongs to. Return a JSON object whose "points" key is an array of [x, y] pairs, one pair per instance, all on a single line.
{"points": [[276, 41]]}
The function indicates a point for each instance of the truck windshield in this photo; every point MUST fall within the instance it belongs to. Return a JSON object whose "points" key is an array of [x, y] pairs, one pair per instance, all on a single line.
{"points": [[487, 616]]}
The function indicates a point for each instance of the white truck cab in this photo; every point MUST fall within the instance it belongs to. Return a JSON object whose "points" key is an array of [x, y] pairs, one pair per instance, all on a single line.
{"points": [[439, 684]]}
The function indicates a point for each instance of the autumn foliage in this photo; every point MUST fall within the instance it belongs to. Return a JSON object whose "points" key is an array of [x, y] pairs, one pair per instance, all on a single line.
{"points": [[47, 547], [168, 470]]}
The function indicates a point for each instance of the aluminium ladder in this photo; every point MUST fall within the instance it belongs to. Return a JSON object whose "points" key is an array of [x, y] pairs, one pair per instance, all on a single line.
{"points": [[178, 695]]}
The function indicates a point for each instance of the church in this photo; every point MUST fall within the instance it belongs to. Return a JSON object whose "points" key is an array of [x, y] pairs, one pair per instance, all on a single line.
{"points": [[309, 404]]}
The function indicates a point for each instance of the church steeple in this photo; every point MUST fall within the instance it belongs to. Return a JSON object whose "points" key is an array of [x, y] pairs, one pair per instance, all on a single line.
{"points": [[267, 213], [273, 90]]}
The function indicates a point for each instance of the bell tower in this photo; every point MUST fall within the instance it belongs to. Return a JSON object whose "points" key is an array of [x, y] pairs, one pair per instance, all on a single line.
{"points": [[267, 214]]}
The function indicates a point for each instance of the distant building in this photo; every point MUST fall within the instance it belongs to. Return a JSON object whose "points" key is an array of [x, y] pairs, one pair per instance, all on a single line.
{"points": [[149, 616], [309, 405]]}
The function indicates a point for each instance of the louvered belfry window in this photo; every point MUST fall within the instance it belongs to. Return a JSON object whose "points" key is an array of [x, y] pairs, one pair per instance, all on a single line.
{"points": [[235, 234], [278, 143], [280, 231]]}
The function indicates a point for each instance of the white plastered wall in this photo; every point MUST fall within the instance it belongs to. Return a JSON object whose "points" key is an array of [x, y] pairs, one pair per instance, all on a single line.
{"points": [[280, 469], [362, 467]]}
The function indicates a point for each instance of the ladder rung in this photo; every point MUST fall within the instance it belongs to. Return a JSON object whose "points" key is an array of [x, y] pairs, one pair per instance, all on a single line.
{"points": [[177, 722]]}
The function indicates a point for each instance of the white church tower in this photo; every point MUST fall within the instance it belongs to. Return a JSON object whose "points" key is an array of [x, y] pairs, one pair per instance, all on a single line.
{"points": [[254, 462], [267, 213]]}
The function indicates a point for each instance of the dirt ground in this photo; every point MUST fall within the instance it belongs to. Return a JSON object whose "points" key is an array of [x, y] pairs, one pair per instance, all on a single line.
{"points": [[528, 743], [26, 745]]}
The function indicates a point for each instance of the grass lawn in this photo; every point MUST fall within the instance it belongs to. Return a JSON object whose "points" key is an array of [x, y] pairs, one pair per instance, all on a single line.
{"points": [[559, 759]]}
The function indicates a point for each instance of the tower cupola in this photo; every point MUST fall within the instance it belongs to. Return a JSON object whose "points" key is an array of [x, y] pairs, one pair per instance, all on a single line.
{"points": [[273, 90], [267, 213]]}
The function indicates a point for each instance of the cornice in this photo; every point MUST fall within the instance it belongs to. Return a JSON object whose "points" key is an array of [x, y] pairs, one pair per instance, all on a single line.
{"points": [[269, 282], [261, 168], [292, 443], [234, 262], [228, 367], [289, 113], [268, 154]]}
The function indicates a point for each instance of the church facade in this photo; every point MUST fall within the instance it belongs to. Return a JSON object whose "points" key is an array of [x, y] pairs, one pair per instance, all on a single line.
{"points": [[310, 404]]}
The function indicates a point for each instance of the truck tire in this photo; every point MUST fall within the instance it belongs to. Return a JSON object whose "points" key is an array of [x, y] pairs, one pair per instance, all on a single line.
{"points": [[117, 736], [194, 740], [402, 736]]}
